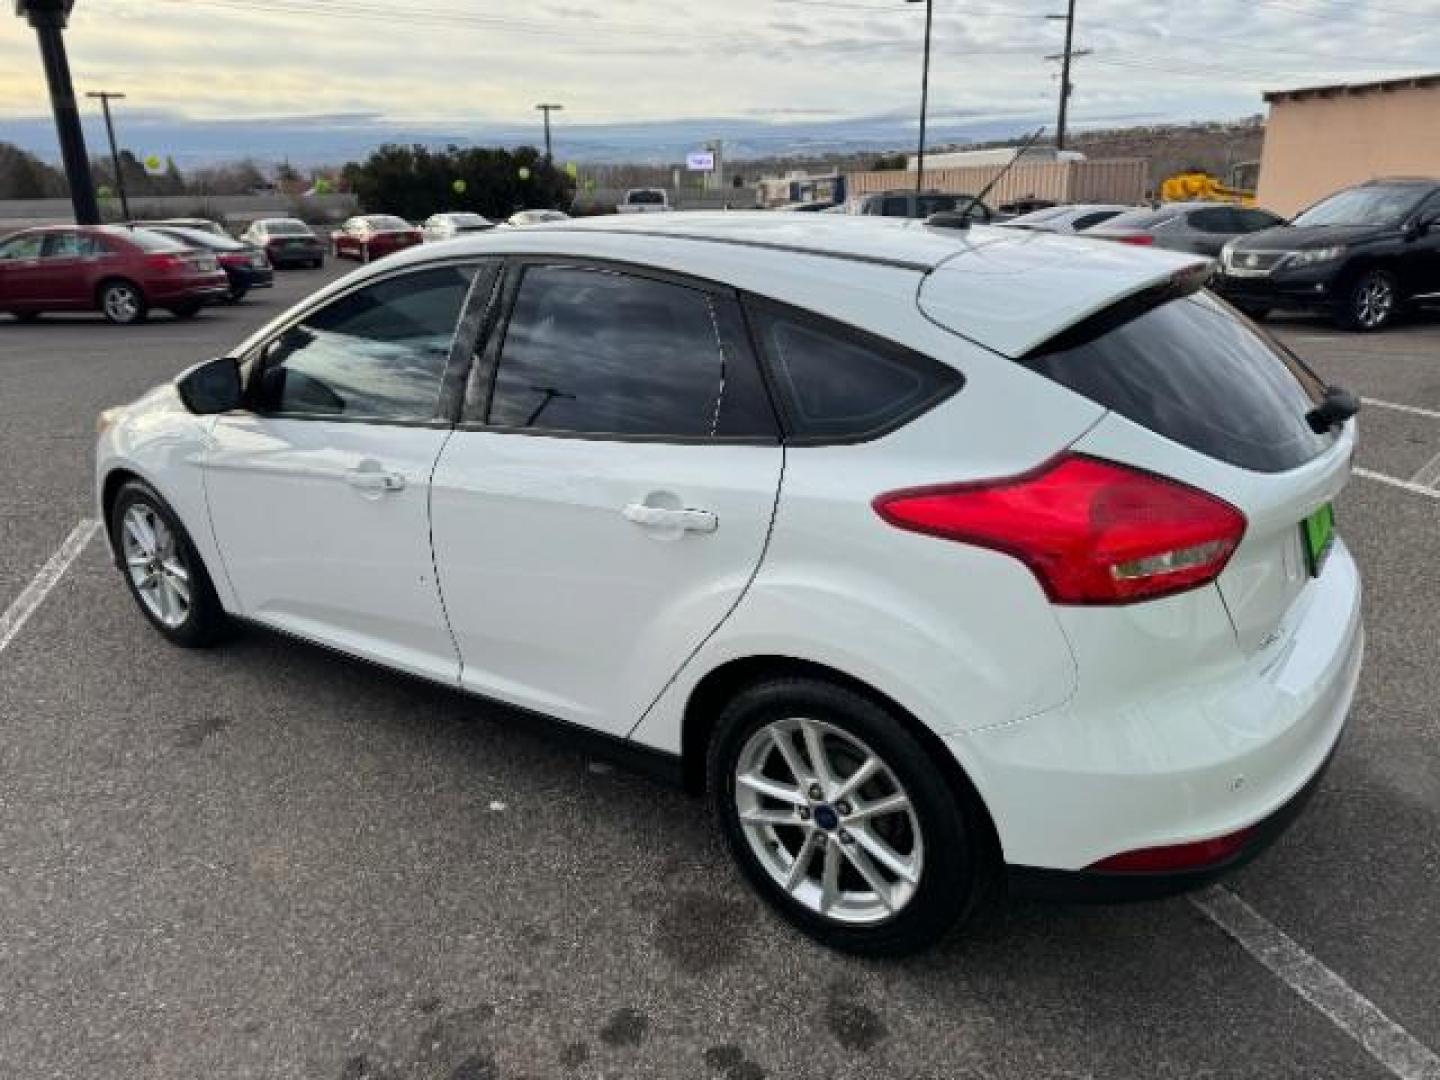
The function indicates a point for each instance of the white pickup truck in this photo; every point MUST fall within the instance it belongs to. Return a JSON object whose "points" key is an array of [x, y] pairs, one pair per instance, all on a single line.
{"points": [[647, 200]]}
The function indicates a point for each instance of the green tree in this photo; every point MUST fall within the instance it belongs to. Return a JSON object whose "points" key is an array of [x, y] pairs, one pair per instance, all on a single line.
{"points": [[415, 181]]}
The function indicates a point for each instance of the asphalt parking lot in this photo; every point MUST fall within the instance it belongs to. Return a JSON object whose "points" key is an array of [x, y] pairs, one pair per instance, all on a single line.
{"points": [[267, 861]]}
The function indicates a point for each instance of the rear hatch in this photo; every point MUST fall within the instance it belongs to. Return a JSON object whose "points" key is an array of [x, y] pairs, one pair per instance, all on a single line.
{"points": [[1199, 394]]}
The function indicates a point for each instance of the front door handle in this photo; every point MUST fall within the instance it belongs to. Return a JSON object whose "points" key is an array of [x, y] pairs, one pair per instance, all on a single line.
{"points": [[701, 521], [374, 480]]}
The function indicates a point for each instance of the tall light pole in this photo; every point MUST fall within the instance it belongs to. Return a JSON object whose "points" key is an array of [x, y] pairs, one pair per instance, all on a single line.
{"points": [[547, 110], [105, 97], [49, 17], [1064, 59], [925, 94]]}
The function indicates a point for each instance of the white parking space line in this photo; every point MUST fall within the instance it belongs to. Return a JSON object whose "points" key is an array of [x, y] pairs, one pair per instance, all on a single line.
{"points": [[1349, 1010], [1428, 475], [1414, 410], [1395, 481], [25, 605]]}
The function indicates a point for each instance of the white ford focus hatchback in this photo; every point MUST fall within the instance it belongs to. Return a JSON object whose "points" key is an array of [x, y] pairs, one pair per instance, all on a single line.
{"points": [[941, 560]]}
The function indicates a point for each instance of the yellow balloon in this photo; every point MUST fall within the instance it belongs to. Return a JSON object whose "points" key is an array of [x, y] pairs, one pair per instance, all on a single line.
{"points": [[459, 187], [524, 172], [572, 169], [152, 162]]}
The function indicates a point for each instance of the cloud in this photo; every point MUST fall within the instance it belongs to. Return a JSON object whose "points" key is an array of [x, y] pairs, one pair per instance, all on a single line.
{"points": [[448, 65]]}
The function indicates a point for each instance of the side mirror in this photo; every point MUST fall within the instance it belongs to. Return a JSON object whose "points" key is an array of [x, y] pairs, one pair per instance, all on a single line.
{"points": [[212, 387]]}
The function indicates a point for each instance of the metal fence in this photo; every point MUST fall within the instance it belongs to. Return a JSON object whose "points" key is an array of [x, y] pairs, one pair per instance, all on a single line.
{"points": [[1122, 180]]}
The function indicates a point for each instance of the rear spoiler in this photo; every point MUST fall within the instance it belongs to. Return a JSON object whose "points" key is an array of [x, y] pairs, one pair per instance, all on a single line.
{"points": [[1184, 282]]}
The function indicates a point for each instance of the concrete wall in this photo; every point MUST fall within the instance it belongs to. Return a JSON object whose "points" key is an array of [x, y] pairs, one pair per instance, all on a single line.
{"points": [[1123, 180], [1317, 143]]}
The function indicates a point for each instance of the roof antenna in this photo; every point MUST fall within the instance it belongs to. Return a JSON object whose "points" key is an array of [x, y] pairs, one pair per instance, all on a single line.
{"points": [[960, 219]]}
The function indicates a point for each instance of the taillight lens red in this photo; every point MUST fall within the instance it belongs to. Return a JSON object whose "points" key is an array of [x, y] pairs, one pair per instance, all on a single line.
{"points": [[1192, 856], [166, 261], [1092, 531], [1142, 239]]}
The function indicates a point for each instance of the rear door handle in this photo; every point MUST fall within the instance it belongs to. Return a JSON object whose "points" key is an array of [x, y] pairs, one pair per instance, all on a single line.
{"points": [[374, 480], [701, 521]]}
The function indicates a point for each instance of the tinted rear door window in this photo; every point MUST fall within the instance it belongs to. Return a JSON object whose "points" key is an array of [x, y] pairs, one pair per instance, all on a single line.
{"points": [[1193, 371], [602, 353]]}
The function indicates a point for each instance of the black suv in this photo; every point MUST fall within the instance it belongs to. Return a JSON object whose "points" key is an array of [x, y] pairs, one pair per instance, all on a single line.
{"points": [[1360, 255]]}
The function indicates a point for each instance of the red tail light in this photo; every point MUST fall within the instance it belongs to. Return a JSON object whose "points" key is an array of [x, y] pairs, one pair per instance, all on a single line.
{"points": [[1191, 856], [166, 261], [1140, 238], [1092, 531]]}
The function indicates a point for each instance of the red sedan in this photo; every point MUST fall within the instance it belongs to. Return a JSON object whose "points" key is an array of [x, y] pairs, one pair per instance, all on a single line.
{"points": [[371, 236], [119, 271]]}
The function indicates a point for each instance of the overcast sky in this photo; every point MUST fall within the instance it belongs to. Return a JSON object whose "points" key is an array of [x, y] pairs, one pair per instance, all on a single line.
{"points": [[481, 62]]}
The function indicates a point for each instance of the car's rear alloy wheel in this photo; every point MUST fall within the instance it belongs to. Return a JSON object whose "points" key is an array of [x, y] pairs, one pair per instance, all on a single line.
{"points": [[1372, 300], [122, 303], [828, 821], [163, 570], [843, 819]]}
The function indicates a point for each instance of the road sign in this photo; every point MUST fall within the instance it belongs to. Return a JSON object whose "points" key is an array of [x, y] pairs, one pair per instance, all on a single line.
{"points": [[700, 161]]}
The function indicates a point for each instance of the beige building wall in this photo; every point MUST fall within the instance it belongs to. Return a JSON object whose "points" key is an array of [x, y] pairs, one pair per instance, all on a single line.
{"points": [[1319, 140]]}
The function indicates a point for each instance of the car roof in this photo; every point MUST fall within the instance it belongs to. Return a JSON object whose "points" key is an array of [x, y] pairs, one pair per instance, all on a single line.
{"points": [[984, 283]]}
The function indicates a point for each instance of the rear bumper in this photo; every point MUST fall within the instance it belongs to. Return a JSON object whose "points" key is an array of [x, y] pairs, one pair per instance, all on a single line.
{"points": [[205, 288], [250, 277], [1234, 748], [294, 256], [1103, 887]]}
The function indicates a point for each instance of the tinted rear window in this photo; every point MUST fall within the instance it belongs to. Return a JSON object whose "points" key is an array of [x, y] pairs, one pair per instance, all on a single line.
{"points": [[286, 228], [1196, 372], [146, 240]]}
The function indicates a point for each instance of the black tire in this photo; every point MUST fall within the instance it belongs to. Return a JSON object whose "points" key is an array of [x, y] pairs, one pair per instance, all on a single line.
{"points": [[238, 293], [1369, 300], [318, 263], [1259, 314], [956, 871], [26, 316], [186, 311], [122, 302], [205, 621]]}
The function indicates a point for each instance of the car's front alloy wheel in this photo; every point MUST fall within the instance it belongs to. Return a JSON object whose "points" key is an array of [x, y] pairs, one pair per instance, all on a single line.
{"points": [[156, 565], [163, 570]]}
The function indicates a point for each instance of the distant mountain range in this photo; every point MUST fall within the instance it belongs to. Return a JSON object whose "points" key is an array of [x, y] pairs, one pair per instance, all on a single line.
{"points": [[335, 139]]}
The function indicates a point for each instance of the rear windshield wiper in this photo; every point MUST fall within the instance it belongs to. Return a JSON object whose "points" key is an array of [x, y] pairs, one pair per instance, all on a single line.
{"points": [[1337, 406]]}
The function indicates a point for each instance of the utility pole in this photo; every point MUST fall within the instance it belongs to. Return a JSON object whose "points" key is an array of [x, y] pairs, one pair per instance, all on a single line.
{"points": [[49, 17], [547, 109], [105, 97], [925, 95], [1069, 54]]}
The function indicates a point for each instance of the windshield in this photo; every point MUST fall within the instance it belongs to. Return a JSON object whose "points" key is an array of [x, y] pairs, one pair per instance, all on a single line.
{"points": [[648, 198], [384, 222], [935, 204], [468, 221], [286, 228], [1369, 205]]}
